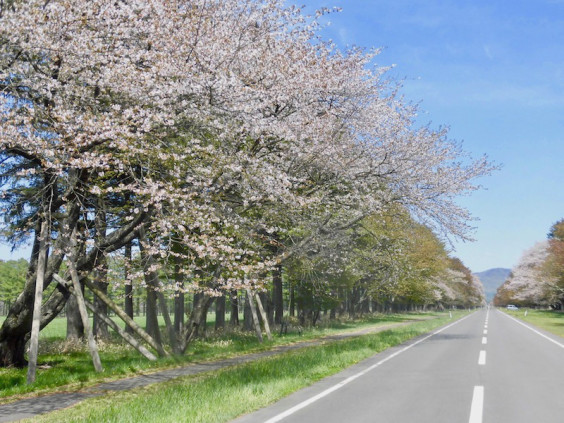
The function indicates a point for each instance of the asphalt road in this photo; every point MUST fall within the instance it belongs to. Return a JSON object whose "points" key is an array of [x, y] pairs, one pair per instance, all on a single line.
{"points": [[487, 367]]}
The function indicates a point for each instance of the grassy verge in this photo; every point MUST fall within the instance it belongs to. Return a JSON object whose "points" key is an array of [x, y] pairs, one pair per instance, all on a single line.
{"points": [[223, 395], [68, 366], [551, 321]]}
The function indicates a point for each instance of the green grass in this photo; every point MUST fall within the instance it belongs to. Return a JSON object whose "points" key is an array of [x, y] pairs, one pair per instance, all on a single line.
{"points": [[551, 321], [223, 395], [68, 366]]}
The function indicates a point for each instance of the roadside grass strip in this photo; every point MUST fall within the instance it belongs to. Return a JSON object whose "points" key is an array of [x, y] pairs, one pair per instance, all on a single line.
{"points": [[561, 345], [222, 395], [67, 366], [549, 320]]}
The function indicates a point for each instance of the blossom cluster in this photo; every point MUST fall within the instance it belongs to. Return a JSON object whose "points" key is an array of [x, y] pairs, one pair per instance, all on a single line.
{"points": [[229, 129]]}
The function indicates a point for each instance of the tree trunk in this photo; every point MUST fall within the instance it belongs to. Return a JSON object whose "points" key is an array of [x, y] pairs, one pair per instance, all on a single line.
{"points": [[128, 301], [264, 316], [151, 280], [151, 315], [254, 314], [179, 300], [220, 313], [248, 323], [77, 289], [126, 336], [12, 350], [268, 306], [292, 301], [75, 328], [333, 314], [197, 319], [277, 294], [101, 272], [16, 328], [168, 322], [234, 319], [121, 314], [39, 282], [100, 328]]}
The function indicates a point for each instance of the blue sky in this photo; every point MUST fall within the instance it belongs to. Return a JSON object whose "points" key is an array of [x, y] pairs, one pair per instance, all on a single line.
{"points": [[492, 71]]}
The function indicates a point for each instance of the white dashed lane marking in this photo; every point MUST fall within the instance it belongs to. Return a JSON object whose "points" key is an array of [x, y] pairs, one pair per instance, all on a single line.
{"points": [[477, 409]]}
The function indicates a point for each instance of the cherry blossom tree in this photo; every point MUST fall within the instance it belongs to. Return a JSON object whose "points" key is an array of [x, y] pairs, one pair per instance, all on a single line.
{"points": [[553, 266], [526, 284], [215, 127]]}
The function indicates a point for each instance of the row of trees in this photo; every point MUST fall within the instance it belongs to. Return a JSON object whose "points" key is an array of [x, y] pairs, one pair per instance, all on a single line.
{"points": [[538, 279], [392, 264], [217, 141]]}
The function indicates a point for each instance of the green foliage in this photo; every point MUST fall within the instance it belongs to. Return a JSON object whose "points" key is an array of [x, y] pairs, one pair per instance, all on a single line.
{"points": [[403, 258], [557, 231], [12, 278]]}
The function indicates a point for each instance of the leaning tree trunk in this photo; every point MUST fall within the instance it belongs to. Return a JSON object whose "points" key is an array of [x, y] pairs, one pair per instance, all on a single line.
{"points": [[77, 289], [38, 299], [100, 273], [128, 301], [202, 303], [15, 330], [248, 323], [75, 325], [256, 322], [264, 316], [172, 338]]}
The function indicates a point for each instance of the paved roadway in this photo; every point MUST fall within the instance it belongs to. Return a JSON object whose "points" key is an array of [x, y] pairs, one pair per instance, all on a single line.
{"points": [[486, 367]]}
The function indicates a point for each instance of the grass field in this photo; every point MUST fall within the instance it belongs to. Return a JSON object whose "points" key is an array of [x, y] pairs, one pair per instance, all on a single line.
{"points": [[551, 321], [223, 395], [68, 366]]}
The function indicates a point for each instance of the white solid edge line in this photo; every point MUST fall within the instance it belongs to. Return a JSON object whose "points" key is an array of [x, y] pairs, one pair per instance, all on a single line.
{"points": [[477, 408], [482, 358], [339, 385], [534, 330]]}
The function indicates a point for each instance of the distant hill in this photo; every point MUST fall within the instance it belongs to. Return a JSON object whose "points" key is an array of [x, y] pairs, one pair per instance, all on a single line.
{"points": [[493, 279]]}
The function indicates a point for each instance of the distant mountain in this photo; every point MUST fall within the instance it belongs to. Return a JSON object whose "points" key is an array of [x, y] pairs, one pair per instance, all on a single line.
{"points": [[493, 279]]}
